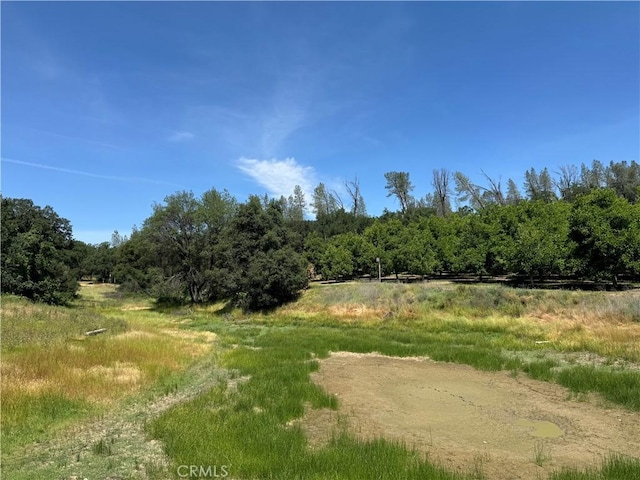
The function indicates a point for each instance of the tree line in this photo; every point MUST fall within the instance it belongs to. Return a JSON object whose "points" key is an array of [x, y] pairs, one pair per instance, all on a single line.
{"points": [[584, 222]]}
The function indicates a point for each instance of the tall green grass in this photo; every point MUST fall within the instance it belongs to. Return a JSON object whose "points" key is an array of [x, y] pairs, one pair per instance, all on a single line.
{"points": [[52, 374], [615, 467], [621, 387], [249, 429], [25, 323], [247, 424], [250, 426], [30, 418]]}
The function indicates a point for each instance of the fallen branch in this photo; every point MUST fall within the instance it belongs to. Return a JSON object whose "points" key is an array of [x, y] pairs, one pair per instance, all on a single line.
{"points": [[96, 332]]}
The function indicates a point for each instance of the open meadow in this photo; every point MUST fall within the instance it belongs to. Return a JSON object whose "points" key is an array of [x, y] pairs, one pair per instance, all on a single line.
{"points": [[355, 380]]}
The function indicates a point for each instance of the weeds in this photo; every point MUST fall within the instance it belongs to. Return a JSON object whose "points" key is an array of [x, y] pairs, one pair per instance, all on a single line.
{"points": [[249, 427], [541, 370], [25, 323], [615, 467], [51, 373], [541, 454], [619, 386], [102, 447]]}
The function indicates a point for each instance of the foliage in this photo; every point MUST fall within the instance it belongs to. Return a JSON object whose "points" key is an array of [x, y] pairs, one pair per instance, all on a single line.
{"points": [[540, 244], [605, 231], [324, 202], [263, 268], [135, 259], [400, 186], [37, 253], [338, 222], [539, 186], [337, 262], [187, 234], [585, 221]]}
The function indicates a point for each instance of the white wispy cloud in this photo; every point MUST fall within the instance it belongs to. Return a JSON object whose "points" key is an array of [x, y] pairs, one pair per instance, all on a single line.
{"points": [[89, 174], [291, 108], [79, 139], [279, 124], [181, 137], [279, 177]]}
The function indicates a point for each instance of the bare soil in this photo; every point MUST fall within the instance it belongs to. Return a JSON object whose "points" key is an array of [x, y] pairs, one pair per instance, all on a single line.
{"points": [[469, 420]]}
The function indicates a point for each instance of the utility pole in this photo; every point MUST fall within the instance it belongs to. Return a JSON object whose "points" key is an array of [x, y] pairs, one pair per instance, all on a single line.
{"points": [[379, 269]]}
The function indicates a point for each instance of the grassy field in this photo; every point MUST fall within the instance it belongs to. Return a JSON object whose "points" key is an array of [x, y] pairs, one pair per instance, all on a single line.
{"points": [[55, 379], [54, 374]]}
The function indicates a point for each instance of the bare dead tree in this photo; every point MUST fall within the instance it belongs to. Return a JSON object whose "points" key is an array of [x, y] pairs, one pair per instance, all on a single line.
{"points": [[442, 191], [357, 202], [495, 190], [338, 200], [467, 191], [568, 178]]}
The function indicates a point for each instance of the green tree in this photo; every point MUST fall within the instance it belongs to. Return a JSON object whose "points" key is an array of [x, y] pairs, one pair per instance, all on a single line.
{"points": [[604, 230], [264, 268], [594, 177], [337, 262], [101, 262], [136, 264], [314, 248], [513, 194], [539, 186], [541, 239], [417, 246], [446, 241], [400, 186], [187, 234], [386, 237], [323, 201], [37, 251], [362, 252], [477, 250], [624, 179], [339, 222], [296, 205]]}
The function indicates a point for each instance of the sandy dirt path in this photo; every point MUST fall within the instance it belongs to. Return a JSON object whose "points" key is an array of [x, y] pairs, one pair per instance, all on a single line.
{"points": [[465, 419]]}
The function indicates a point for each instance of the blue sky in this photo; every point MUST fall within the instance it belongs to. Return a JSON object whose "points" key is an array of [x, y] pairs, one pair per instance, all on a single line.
{"points": [[110, 107]]}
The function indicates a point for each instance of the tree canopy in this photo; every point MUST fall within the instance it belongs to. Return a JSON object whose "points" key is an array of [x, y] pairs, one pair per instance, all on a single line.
{"points": [[37, 253], [583, 223]]}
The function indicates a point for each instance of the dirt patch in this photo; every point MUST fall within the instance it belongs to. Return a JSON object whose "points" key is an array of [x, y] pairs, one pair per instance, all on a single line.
{"points": [[319, 425], [465, 419]]}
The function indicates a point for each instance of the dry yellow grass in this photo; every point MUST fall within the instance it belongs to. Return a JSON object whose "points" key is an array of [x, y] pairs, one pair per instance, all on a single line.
{"points": [[101, 369], [606, 323]]}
